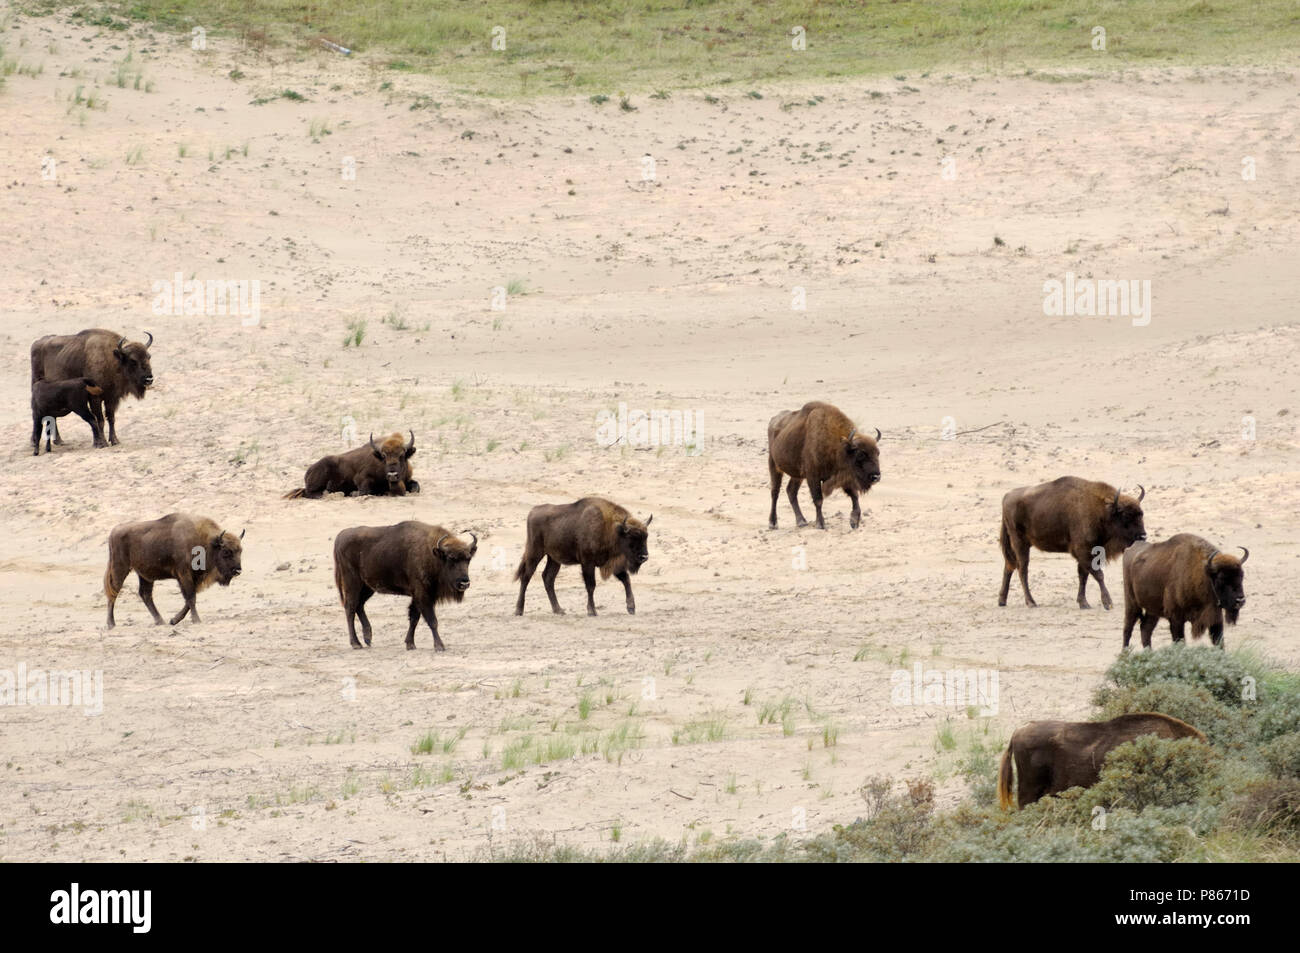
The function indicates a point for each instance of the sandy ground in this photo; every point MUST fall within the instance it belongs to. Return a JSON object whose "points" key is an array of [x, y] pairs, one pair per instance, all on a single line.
{"points": [[260, 735]]}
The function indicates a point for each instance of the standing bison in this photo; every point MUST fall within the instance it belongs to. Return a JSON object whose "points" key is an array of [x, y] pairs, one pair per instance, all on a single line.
{"points": [[425, 563], [819, 444], [193, 550], [373, 470], [1184, 579], [119, 368], [1069, 515], [1051, 756], [590, 533]]}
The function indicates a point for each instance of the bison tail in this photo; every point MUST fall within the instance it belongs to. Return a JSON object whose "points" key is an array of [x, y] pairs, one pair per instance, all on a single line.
{"points": [[295, 494], [519, 570], [111, 586], [1007, 553], [1004, 781]]}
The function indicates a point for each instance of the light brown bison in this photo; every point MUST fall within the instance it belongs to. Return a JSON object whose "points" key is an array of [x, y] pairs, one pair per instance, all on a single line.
{"points": [[591, 533], [373, 470], [819, 444], [119, 368], [54, 399], [1184, 579], [1081, 517], [193, 550], [1051, 756], [425, 563]]}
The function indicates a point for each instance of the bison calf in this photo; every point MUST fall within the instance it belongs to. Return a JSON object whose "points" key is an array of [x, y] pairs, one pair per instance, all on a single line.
{"points": [[425, 563], [1086, 519], [1051, 756], [819, 444], [120, 368], [373, 470], [1184, 579], [193, 550], [54, 399], [590, 533]]}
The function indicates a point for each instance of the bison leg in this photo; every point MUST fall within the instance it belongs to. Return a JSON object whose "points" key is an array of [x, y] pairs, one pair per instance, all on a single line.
{"points": [[589, 580], [366, 593], [549, 572], [527, 566], [856, 516], [187, 592], [792, 494], [1177, 629], [1105, 593], [1131, 614], [36, 437], [1216, 634], [95, 429], [146, 596], [1148, 626], [413, 617], [1022, 564], [58, 439], [1083, 583], [350, 613], [815, 488], [110, 413], [626, 580], [426, 610], [1008, 564], [775, 475]]}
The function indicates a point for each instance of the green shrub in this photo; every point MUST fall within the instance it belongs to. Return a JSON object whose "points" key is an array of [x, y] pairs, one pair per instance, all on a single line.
{"points": [[1282, 755], [1277, 717], [1154, 772], [1213, 669], [1270, 806]]}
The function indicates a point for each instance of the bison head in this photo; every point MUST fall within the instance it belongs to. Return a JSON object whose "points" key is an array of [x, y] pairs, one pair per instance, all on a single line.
{"points": [[864, 458], [1227, 579], [393, 453], [455, 557], [133, 360], [1124, 525], [632, 538], [226, 552]]}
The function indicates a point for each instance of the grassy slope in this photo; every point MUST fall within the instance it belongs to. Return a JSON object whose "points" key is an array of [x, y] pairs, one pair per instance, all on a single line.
{"points": [[610, 46]]}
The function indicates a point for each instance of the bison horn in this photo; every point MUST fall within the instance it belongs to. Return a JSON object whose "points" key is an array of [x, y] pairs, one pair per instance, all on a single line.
{"points": [[1246, 553], [650, 520], [438, 544], [877, 433], [473, 546], [1141, 492], [150, 344], [1115, 502], [372, 442], [411, 445], [242, 532], [849, 438], [121, 344], [1209, 563]]}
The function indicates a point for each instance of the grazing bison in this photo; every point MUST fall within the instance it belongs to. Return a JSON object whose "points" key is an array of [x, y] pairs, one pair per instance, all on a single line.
{"points": [[590, 533], [54, 399], [193, 550], [819, 444], [1051, 756], [1068, 515], [372, 470], [119, 368], [426, 563], [1184, 579]]}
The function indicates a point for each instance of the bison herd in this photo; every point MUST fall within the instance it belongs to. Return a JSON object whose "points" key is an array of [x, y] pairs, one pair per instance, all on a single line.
{"points": [[1184, 579]]}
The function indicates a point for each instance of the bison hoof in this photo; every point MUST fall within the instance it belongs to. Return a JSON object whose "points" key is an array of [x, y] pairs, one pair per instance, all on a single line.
{"points": [[631, 610], [410, 646], [439, 647], [412, 487], [356, 645], [798, 523], [558, 611]]}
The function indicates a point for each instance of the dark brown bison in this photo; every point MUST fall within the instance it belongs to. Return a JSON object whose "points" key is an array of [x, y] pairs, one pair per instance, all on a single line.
{"points": [[373, 470], [425, 563], [121, 369], [592, 533], [1184, 579], [1069, 515], [1051, 756], [54, 399], [819, 444], [193, 550]]}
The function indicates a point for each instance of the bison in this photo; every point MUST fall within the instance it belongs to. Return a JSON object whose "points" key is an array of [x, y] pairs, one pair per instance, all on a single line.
{"points": [[1184, 579], [54, 399], [819, 444], [425, 563], [1051, 756], [590, 533], [373, 470], [193, 550], [119, 368], [1081, 517]]}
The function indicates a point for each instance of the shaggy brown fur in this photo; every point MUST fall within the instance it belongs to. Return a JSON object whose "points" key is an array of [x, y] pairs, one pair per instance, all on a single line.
{"points": [[591, 533], [55, 399], [1068, 515], [373, 470], [819, 444], [1051, 756], [1184, 579], [193, 550], [425, 563], [121, 369]]}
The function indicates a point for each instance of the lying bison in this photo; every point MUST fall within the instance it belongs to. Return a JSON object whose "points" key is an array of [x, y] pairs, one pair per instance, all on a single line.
{"points": [[425, 563], [819, 444], [119, 368], [1184, 579], [1051, 756], [373, 470], [193, 550], [1069, 515], [592, 533], [54, 399]]}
